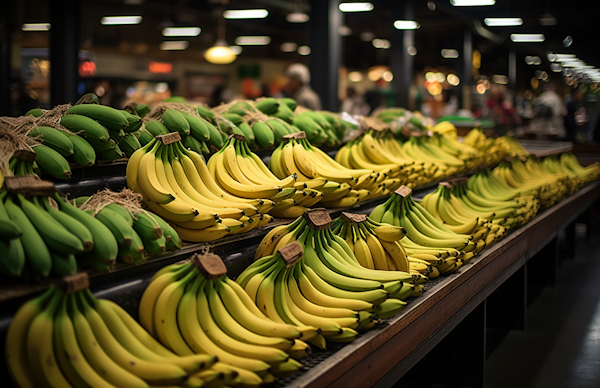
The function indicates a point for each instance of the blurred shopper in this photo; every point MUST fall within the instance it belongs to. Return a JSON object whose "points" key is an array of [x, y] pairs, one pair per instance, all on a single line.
{"points": [[354, 103], [501, 111], [298, 87], [552, 122], [571, 124]]}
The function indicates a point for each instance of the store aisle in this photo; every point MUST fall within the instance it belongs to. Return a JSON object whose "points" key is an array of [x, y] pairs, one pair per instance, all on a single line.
{"points": [[561, 344]]}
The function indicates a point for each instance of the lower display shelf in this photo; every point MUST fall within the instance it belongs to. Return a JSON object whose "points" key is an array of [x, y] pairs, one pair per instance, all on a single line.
{"points": [[384, 354]]}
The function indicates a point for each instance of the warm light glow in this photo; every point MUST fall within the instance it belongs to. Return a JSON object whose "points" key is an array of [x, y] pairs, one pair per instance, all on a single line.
{"points": [[174, 45], [440, 77], [533, 60], [480, 88], [411, 50], [297, 17], [345, 31], [429, 76], [381, 43], [519, 38], [245, 14], [387, 76], [87, 69], [356, 7], [500, 79], [160, 67], [555, 67], [500, 22], [471, 3], [289, 47], [304, 50], [355, 76], [406, 25], [476, 62], [181, 31], [534, 83], [120, 20], [35, 27], [220, 54], [237, 50], [453, 79], [450, 53], [252, 40]]}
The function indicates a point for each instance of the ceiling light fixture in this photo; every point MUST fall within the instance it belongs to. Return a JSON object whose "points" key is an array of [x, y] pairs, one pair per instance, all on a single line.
{"points": [[450, 53], [381, 44], [304, 50], [406, 25], [181, 31], [174, 45], [245, 14], [502, 22], [35, 27], [252, 40], [355, 76], [220, 53], [356, 7], [120, 20], [237, 50], [520, 38], [297, 17], [289, 47], [472, 3]]}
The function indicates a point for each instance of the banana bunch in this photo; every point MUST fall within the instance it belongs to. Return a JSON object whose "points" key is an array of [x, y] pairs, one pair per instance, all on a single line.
{"points": [[197, 133], [138, 232], [380, 152], [62, 339], [494, 149], [321, 128], [20, 167], [341, 186], [423, 148], [531, 176], [567, 163], [426, 233], [242, 173], [473, 158], [191, 313], [333, 269], [46, 234], [112, 133], [445, 128], [463, 216], [177, 185], [375, 245]]}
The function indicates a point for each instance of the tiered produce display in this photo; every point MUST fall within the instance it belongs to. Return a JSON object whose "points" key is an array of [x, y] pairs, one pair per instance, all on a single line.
{"points": [[195, 176]]}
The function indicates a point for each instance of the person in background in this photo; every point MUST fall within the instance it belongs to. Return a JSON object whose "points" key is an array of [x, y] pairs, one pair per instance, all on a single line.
{"points": [[501, 111], [571, 124], [354, 104], [298, 87], [549, 98]]}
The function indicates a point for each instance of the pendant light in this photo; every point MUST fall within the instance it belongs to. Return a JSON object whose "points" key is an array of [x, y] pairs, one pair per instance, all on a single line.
{"points": [[220, 53]]}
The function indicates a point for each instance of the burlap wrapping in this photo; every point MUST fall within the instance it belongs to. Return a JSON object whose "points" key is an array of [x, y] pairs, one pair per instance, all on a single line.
{"points": [[14, 133]]}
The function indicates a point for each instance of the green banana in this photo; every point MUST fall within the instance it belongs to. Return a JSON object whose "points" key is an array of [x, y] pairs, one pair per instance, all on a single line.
{"points": [[72, 225], [83, 152], [198, 128], [51, 162], [175, 122], [85, 126], [129, 144], [35, 112], [156, 128], [63, 265], [112, 154], [109, 117], [145, 137], [142, 110], [53, 138], [263, 134], [134, 122]]}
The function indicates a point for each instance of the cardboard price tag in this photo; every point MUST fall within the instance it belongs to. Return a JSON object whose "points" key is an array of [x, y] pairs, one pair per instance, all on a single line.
{"points": [[317, 219], [353, 217], [403, 191], [292, 253], [29, 185], [296, 135], [169, 138], [73, 283], [211, 266], [237, 136], [24, 155]]}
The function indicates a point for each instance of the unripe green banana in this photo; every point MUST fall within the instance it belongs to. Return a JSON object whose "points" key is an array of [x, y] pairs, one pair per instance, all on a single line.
{"points": [[198, 128], [83, 152], [156, 246], [142, 110], [279, 130], [8, 229], [146, 226], [129, 144], [72, 225], [13, 257], [121, 212], [265, 138], [156, 128], [206, 113], [102, 146], [191, 143], [248, 133], [84, 126], [119, 227], [53, 138], [109, 117], [134, 122], [175, 122], [289, 102], [173, 240], [35, 112], [112, 154], [267, 105], [63, 265], [51, 162], [144, 137]]}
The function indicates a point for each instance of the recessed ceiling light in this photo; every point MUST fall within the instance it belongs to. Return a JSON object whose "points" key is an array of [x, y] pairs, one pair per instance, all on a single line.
{"points": [[181, 31], [519, 38], [450, 53], [245, 14], [120, 20], [356, 7], [406, 25], [297, 17], [289, 47], [35, 27], [252, 40], [500, 22], [304, 50], [381, 43], [174, 45], [471, 3]]}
